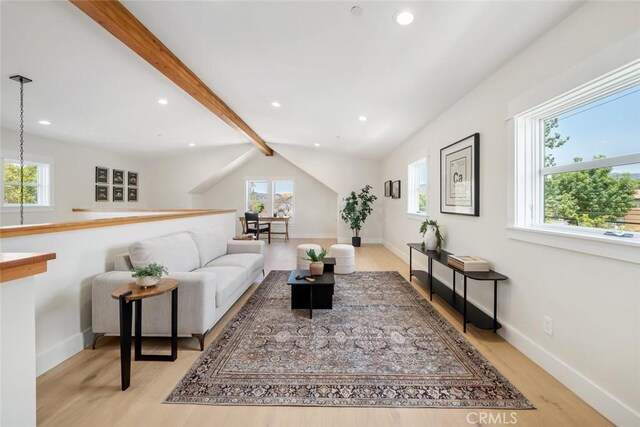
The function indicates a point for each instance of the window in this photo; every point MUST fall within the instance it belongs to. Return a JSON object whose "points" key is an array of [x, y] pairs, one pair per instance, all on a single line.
{"points": [[578, 159], [283, 198], [270, 197], [417, 188], [37, 187]]}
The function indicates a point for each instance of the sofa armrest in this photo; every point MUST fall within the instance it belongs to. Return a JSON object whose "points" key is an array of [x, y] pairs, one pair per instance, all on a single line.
{"points": [[196, 304], [245, 247]]}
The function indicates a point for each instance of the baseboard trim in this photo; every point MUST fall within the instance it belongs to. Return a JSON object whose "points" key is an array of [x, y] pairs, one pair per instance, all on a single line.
{"points": [[601, 400], [60, 352]]}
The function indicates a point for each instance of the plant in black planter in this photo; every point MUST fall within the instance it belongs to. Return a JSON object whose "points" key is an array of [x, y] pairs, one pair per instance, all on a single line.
{"points": [[357, 209]]}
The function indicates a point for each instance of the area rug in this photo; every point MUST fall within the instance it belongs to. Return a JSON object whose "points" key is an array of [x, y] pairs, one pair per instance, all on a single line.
{"points": [[382, 345]]}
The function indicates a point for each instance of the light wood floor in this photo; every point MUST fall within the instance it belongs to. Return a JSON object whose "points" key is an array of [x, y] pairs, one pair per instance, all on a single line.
{"points": [[85, 390]]}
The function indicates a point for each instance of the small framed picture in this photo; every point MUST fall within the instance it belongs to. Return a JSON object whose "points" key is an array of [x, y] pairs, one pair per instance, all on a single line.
{"points": [[102, 193], [132, 195], [395, 189], [132, 179], [102, 175], [118, 194], [118, 177], [387, 189]]}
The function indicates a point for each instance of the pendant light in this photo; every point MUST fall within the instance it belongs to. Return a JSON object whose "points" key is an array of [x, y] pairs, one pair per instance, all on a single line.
{"points": [[22, 80]]}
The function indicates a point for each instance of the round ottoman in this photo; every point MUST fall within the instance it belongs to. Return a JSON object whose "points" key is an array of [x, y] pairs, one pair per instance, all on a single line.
{"points": [[345, 256], [301, 262]]}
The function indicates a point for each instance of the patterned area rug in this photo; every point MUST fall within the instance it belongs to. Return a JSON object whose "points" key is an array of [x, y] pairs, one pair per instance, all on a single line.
{"points": [[382, 345]]}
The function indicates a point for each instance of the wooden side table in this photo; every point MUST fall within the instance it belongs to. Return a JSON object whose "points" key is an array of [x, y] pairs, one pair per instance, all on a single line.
{"points": [[128, 295]]}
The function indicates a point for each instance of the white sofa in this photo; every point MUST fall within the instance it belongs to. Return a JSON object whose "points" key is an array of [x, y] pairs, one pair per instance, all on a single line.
{"points": [[212, 274]]}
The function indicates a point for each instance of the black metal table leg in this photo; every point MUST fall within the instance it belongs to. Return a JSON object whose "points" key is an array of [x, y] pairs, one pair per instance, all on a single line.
{"points": [[174, 332], [410, 263], [430, 262], [138, 328], [310, 301], [125, 341], [495, 306], [454, 286], [464, 310]]}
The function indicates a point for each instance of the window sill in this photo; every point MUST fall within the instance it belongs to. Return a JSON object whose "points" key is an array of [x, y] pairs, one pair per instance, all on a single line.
{"points": [[622, 249], [416, 216]]}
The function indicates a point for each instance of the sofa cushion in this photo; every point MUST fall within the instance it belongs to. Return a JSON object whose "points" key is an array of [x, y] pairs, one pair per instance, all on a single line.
{"points": [[228, 281], [211, 243], [251, 262], [178, 252]]}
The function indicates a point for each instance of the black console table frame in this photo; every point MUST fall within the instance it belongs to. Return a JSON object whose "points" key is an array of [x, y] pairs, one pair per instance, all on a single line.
{"points": [[470, 313]]}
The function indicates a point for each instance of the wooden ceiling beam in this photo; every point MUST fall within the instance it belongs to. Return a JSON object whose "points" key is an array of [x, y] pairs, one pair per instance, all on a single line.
{"points": [[116, 19]]}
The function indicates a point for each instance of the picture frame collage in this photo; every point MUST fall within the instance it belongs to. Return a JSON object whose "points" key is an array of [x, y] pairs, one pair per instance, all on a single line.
{"points": [[392, 189], [120, 187]]}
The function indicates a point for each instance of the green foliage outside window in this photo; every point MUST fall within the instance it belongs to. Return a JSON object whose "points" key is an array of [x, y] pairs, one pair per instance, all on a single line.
{"points": [[588, 198], [12, 184]]}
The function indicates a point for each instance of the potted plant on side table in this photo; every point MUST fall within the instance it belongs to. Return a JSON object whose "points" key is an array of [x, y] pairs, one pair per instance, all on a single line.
{"points": [[430, 231], [356, 210], [149, 275], [316, 267]]}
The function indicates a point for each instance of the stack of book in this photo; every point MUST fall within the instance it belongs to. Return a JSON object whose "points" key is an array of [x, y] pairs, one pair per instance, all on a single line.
{"points": [[468, 263]]}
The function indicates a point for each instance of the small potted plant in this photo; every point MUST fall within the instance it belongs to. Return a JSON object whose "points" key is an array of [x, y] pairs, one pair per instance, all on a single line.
{"points": [[149, 275], [316, 267], [430, 231]]}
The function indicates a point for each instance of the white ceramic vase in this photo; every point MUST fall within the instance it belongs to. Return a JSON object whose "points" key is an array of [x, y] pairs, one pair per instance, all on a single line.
{"points": [[147, 281], [430, 239]]}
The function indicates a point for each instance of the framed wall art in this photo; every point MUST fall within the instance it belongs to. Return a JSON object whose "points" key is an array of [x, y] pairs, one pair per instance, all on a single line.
{"points": [[102, 193], [395, 189], [118, 194], [118, 177], [102, 175], [460, 177], [132, 195], [132, 179], [387, 189]]}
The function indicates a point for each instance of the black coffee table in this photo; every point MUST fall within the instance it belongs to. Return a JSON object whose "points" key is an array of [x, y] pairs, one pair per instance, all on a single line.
{"points": [[307, 295]]}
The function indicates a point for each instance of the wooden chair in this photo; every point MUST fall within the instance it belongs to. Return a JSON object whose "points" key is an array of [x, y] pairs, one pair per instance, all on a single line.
{"points": [[252, 225]]}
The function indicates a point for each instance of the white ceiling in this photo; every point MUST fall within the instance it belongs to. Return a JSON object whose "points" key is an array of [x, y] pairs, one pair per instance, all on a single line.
{"points": [[323, 64]]}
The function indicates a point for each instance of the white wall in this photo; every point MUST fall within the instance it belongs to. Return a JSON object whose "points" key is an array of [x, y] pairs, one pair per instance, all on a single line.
{"points": [[179, 181], [63, 297], [594, 301], [315, 204], [343, 174], [73, 176]]}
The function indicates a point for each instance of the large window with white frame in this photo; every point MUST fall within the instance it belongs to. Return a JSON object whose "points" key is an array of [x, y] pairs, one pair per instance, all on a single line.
{"points": [[578, 159], [270, 197], [37, 184], [417, 202]]}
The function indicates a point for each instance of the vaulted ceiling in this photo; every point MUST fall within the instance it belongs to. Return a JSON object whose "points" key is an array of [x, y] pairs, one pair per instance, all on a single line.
{"points": [[324, 65]]}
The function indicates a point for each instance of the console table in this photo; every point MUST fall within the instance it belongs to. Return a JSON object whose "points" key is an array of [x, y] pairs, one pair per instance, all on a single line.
{"points": [[470, 313]]}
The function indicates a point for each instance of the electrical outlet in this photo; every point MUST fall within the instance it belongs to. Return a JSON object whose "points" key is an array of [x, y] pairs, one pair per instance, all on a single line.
{"points": [[547, 325]]}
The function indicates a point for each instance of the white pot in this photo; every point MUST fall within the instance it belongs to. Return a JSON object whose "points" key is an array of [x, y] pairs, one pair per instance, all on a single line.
{"points": [[147, 281], [430, 239]]}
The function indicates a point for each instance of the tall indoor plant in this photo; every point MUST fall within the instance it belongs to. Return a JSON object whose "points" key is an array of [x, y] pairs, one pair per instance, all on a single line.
{"points": [[357, 209]]}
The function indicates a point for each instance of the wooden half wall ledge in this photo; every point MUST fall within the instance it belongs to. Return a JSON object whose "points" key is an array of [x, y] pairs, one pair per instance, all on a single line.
{"points": [[27, 230], [20, 265]]}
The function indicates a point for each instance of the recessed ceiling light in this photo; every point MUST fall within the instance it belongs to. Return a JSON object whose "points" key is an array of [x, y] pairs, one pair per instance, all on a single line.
{"points": [[356, 11], [162, 101], [316, 144], [362, 118], [45, 122], [276, 104], [192, 145], [403, 17]]}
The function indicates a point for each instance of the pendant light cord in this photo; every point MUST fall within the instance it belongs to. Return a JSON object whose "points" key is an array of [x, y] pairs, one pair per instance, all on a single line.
{"points": [[21, 152]]}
